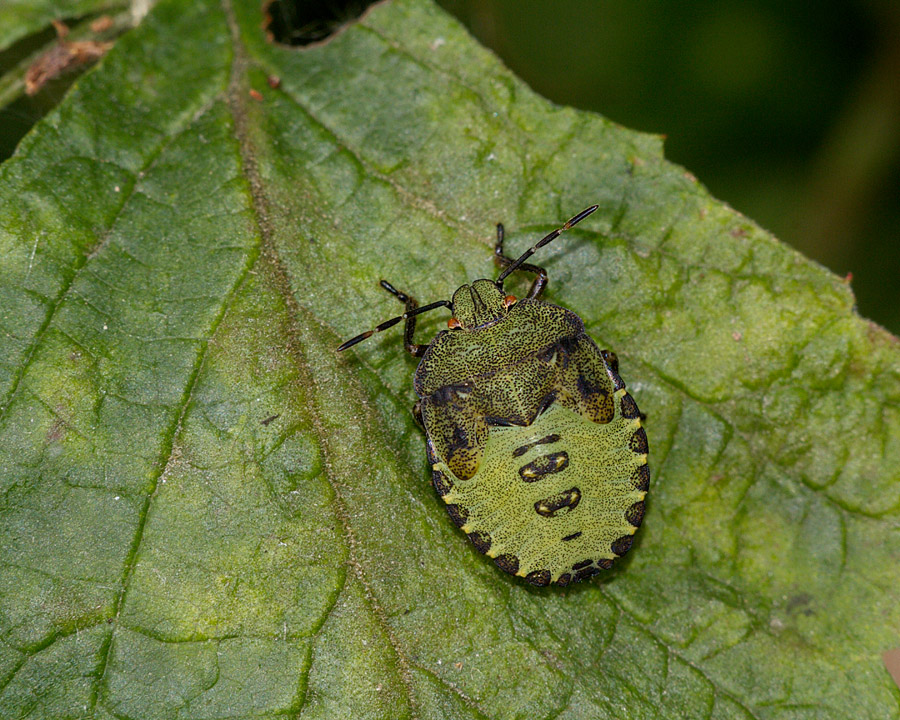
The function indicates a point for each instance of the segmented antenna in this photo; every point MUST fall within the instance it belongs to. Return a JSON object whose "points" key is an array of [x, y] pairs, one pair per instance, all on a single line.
{"points": [[393, 321], [512, 267], [515, 265]]}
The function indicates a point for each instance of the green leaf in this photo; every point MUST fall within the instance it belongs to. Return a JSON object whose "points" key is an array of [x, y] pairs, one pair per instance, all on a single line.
{"points": [[208, 513]]}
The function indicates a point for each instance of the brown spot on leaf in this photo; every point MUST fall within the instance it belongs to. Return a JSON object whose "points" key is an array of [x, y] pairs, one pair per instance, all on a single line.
{"points": [[101, 24], [891, 659]]}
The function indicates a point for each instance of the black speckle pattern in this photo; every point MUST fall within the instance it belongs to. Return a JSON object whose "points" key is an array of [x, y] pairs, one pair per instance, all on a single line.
{"points": [[635, 514], [458, 515], [641, 478], [537, 386], [566, 500], [639, 442], [508, 563], [538, 577], [629, 407], [545, 465], [442, 484], [481, 541]]}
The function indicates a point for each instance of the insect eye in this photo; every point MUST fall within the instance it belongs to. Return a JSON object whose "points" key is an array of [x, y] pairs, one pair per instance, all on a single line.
{"points": [[453, 323], [509, 300]]}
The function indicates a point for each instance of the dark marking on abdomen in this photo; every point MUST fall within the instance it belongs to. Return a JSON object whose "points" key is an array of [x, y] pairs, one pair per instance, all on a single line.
{"points": [[622, 545], [507, 563], [635, 514], [539, 577], [567, 500], [629, 407], [638, 441], [458, 514], [442, 484], [481, 540], [641, 478], [544, 465], [586, 572], [548, 439], [573, 536]]}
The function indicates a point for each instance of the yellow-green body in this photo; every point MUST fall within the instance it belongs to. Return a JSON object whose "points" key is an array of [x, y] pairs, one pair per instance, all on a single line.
{"points": [[535, 445]]}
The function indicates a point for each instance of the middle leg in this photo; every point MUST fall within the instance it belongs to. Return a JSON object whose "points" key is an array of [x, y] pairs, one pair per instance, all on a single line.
{"points": [[539, 283], [410, 327]]}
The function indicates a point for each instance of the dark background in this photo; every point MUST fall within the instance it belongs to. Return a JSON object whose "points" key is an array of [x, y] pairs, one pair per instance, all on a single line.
{"points": [[787, 110]]}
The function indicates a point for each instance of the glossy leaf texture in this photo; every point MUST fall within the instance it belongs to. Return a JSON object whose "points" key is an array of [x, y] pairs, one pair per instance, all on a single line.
{"points": [[205, 512]]}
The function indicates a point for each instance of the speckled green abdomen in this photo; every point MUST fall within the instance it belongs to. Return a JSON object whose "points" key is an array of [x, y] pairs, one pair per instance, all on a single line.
{"points": [[556, 500]]}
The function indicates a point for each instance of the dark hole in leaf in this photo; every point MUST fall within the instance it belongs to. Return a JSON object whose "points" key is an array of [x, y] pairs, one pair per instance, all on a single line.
{"points": [[303, 22], [23, 48], [17, 118]]}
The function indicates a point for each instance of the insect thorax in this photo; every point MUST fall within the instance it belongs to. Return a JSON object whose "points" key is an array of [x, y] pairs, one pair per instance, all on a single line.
{"points": [[506, 375], [462, 356]]}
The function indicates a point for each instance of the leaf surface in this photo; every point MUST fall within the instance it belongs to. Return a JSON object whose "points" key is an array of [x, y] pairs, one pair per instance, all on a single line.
{"points": [[208, 513]]}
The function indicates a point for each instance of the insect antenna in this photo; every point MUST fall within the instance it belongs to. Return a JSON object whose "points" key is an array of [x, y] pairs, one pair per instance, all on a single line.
{"points": [[512, 267], [393, 321]]}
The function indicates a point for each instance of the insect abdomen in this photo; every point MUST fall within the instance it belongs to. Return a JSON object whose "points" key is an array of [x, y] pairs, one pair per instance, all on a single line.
{"points": [[557, 500]]}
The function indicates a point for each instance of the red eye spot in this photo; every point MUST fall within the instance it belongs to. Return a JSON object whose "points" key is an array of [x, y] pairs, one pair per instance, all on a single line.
{"points": [[509, 300], [453, 323]]}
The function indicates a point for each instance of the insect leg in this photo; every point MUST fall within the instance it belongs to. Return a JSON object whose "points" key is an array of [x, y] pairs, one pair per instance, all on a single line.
{"points": [[540, 282], [411, 304]]}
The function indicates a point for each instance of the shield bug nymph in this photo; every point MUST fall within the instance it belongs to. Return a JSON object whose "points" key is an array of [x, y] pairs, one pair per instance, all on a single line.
{"points": [[535, 445]]}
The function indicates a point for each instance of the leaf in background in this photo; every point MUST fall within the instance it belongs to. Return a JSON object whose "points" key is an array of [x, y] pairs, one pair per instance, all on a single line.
{"points": [[180, 261], [43, 47]]}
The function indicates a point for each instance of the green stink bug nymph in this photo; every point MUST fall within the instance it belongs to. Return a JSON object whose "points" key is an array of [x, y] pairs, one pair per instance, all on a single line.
{"points": [[535, 445]]}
